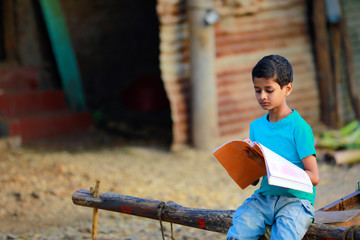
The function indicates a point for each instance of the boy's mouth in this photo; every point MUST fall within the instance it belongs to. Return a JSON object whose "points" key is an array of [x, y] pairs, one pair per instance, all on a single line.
{"points": [[264, 104]]}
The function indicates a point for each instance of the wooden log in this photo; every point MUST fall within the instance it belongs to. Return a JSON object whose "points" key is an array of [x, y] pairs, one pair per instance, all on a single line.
{"points": [[206, 219], [345, 156], [212, 220]]}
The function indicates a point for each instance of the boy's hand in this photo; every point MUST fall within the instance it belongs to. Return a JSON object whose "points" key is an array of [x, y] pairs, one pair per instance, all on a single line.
{"points": [[247, 140], [257, 157]]}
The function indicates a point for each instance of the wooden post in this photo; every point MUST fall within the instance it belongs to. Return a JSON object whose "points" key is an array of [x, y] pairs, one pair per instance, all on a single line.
{"points": [[95, 193], [203, 79], [336, 80], [323, 62]]}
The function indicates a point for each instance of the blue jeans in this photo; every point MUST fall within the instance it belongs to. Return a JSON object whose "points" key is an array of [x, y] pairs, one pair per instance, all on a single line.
{"points": [[290, 218]]}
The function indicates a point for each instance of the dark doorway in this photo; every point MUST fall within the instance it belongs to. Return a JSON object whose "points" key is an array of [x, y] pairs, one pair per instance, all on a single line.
{"points": [[126, 88]]}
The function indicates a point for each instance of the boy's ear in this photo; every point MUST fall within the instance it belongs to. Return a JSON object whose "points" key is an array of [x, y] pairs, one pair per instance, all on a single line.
{"points": [[288, 89]]}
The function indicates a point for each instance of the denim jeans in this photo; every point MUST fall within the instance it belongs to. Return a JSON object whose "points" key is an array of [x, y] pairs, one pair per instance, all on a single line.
{"points": [[290, 218]]}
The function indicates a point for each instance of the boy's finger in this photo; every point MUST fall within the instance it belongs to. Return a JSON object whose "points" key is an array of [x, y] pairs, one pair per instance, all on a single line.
{"points": [[247, 140]]}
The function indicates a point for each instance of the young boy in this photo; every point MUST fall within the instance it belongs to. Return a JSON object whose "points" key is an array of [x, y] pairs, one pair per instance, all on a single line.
{"points": [[289, 212]]}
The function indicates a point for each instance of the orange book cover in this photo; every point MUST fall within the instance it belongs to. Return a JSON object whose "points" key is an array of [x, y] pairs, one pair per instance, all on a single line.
{"points": [[243, 169], [246, 162]]}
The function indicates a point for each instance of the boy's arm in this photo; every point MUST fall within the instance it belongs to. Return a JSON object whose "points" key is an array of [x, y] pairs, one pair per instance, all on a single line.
{"points": [[311, 168]]}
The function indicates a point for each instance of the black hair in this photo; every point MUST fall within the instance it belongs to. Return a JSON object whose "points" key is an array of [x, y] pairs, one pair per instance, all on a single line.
{"points": [[274, 66]]}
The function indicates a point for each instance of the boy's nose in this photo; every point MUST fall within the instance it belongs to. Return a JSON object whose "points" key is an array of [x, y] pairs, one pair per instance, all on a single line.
{"points": [[263, 96]]}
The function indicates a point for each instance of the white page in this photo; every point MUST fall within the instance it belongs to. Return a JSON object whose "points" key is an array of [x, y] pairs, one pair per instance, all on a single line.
{"points": [[281, 168]]}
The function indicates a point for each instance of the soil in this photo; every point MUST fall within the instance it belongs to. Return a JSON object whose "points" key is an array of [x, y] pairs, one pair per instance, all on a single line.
{"points": [[37, 182]]}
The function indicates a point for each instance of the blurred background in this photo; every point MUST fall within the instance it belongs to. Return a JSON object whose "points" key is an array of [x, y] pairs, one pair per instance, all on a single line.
{"points": [[111, 73], [124, 66]]}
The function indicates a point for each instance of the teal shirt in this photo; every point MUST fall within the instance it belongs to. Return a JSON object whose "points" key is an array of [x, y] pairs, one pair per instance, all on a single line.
{"points": [[293, 139]]}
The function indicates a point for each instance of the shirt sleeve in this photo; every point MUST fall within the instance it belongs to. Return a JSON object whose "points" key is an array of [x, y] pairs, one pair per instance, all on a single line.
{"points": [[305, 142]]}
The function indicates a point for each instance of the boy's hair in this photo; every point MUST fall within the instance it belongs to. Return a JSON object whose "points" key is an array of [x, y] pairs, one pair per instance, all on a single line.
{"points": [[274, 66]]}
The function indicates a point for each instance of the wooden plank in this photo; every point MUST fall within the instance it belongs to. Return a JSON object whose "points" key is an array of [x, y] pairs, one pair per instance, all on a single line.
{"points": [[335, 216], [345, 203]]}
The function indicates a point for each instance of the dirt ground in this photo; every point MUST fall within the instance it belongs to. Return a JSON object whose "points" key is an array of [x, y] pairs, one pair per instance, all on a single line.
{"points": [[36, 185]]}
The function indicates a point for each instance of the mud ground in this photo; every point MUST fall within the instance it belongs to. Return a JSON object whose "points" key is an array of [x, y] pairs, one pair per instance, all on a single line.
{"points": [[37, 182]]}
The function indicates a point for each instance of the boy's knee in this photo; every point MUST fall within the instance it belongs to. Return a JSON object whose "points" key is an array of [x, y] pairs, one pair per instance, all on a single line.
{"points": [[247, 226], [288, 228]]}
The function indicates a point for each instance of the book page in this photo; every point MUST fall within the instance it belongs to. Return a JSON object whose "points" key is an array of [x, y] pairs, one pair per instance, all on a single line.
{"points": [[281, 168]]}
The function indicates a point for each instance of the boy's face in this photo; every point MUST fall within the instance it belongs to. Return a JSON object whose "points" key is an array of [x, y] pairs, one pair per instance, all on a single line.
{"points": [[269, 93]]}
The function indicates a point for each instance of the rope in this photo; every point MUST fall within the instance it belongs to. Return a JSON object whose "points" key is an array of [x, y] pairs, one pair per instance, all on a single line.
{"points": [[351, 229], [267, 233], [160, 208]]}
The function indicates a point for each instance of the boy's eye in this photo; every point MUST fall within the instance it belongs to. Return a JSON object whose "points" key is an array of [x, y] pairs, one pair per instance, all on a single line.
{"points": [[268, 90]]}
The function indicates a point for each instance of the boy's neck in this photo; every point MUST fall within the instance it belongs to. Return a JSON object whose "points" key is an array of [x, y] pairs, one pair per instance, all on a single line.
{"points": [[276, 115]]}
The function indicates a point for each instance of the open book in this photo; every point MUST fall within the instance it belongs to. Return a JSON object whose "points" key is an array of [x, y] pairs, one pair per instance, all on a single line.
{"points": [[247, 162]]}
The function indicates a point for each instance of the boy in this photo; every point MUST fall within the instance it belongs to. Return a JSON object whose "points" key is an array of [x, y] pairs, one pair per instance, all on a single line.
{"points": [[289, 212]]}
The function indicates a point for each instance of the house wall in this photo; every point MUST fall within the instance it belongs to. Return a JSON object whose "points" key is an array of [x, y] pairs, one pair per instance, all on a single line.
{"points": [[243, 36], [352, 17], [351, 9], [267, 27]]}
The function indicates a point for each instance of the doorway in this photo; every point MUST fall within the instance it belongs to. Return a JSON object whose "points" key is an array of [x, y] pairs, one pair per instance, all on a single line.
{"points": [[118, 46]]}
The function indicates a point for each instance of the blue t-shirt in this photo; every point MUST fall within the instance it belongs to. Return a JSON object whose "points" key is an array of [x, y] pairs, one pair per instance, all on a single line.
{"points": [[293, 139]]}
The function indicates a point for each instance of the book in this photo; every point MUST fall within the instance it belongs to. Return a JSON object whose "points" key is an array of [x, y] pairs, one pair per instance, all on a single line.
{"points": [[246, 162]]}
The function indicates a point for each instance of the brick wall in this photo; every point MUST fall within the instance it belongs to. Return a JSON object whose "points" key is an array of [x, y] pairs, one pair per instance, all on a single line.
{"points": [[174, 65], [242, 40], [244, 35]]}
